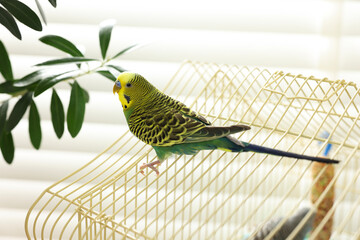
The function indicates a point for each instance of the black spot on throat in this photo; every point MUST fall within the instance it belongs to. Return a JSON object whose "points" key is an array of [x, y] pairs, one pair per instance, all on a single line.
{"points": [[127, 98], [125, 106]]}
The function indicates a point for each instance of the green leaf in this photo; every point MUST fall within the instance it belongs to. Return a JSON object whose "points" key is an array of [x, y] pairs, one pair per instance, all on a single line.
{"points": [[76, 110], [22, 13], [53, 3], [41, 11], [5, 64], [107, 74], [7, 147], [105, 35], [9, 88], [111, 71], [8, 21], [115, 67], [86, 95], [125, 51], [68, 60], [46, 83], [49, 82], [29, 79], [3, 112], [18, 111], [57, 114], [61, 44], [34, 126]]}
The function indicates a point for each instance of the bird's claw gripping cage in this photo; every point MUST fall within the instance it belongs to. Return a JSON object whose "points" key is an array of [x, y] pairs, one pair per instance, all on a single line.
{"points": [[215, 194]]}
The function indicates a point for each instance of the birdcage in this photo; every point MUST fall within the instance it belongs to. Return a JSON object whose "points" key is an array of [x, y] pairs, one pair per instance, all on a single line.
{"points": [[216, 194]]}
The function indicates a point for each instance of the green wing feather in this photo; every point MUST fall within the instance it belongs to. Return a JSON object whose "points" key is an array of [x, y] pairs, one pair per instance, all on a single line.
{"points": [[212, 132], [167, 122]]}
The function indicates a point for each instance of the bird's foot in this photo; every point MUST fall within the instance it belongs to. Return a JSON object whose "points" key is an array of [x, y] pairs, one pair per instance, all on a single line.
{"points": [[152, 166]]}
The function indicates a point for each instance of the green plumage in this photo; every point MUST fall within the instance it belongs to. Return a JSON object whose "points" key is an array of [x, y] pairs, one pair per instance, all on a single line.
{"points": [[172, 128]]}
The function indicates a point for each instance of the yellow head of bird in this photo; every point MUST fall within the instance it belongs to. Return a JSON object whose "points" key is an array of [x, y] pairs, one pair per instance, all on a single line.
{"points": [[131, 88]]}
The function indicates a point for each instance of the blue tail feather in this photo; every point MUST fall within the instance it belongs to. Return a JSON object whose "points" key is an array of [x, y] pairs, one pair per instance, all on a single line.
{"points": [[229, 144], [260, 149]]}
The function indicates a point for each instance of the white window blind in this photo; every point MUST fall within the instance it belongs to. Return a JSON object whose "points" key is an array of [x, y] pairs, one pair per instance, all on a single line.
{"points": [[320, 38]]}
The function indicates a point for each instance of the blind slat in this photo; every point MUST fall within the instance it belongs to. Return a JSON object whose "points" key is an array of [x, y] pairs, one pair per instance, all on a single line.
{"points": [[319, 38]]}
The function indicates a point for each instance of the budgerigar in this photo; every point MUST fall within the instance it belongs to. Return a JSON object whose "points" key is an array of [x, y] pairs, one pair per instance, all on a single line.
{"points": [[172, 128]]}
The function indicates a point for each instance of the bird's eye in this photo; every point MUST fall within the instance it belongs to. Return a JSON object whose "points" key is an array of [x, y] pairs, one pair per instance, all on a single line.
{"points": [[128, 85]]}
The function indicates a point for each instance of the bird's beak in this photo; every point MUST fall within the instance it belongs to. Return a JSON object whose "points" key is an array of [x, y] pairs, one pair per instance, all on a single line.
{"points": [[116, 89]]}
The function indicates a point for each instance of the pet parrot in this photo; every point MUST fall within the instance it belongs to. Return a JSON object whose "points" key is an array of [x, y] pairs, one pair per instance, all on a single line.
{"points": [[172, 128]]}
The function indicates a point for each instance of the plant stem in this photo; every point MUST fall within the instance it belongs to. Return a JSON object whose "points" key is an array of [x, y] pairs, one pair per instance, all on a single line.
{"points": [[83, 73]]}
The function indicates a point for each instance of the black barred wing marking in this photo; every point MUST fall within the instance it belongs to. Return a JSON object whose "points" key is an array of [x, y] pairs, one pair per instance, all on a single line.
{"points": [[164, 128], [182, 108], [169, 128], [188, 112]]}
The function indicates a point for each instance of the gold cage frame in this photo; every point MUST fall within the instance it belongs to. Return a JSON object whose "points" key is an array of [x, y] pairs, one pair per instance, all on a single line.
{"points": [[215, 194]]}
